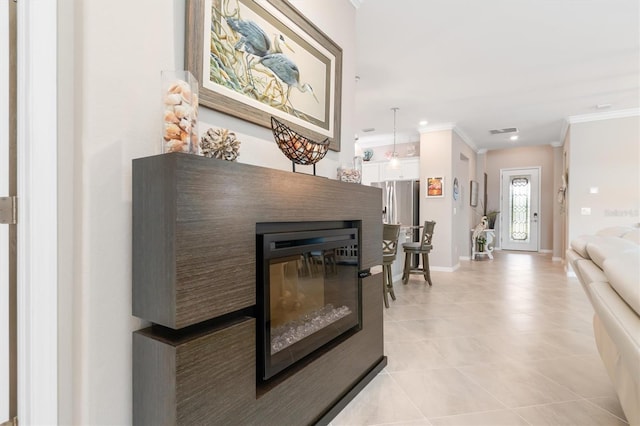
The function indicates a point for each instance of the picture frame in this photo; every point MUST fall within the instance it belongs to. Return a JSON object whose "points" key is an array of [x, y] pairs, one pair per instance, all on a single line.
{"points": [[435, 187], [473, 201], [245, 76]]}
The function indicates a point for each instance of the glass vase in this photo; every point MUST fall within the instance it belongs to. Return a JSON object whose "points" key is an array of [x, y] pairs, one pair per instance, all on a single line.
{"points": [[180, 112]]}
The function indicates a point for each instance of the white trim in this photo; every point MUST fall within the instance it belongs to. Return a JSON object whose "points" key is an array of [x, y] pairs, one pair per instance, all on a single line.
{"points": [[464, 258], [444, 268], [356, 3], [622, 113], [556, 144], [564, 130], [466, 138], [545, 251], [437, 127], [37, 221], [556, 259], [4, 229]]}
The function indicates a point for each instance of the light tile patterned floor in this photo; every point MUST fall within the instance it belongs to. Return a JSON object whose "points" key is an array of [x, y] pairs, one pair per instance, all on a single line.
{"points": [[501, 342]]}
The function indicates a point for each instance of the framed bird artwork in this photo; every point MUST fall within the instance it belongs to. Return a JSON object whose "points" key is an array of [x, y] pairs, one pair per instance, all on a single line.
{"points": [[257, 60]]}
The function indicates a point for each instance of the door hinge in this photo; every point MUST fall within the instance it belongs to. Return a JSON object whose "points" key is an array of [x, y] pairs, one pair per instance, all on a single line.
{"points": [[9, 210]]}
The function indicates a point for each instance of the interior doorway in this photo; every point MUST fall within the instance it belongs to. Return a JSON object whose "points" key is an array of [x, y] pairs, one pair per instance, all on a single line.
{"points": [[520, 207]]}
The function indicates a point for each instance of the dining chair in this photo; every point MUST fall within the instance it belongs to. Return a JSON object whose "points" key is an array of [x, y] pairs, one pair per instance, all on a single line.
{"points": [[390, 234], [422, 247]]}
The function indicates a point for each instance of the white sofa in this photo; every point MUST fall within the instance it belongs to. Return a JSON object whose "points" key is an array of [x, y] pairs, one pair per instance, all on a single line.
{"points": [[608, 267]]}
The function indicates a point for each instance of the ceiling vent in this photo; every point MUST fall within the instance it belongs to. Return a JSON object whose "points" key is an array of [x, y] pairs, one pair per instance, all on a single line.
{"points": [[502, 131]]}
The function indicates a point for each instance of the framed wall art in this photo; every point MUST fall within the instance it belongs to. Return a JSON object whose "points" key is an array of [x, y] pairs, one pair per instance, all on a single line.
{"points": [[435, 187], [258, 59], [456, 189], [473, 202]]}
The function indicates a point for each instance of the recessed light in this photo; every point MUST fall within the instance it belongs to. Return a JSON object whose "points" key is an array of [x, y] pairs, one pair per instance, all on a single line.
{"points": [[423, 123], [514, 138]]}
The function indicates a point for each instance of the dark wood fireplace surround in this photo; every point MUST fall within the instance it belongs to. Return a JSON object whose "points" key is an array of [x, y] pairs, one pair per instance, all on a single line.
{"points": [[194, 278]]}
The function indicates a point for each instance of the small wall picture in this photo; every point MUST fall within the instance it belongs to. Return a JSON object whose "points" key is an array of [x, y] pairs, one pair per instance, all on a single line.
{"points": [[474, 193], [456, 189], [435, 187]]}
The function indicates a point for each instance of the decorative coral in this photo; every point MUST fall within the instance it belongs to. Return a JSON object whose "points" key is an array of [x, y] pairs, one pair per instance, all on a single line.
{"points": [[220, 143]]}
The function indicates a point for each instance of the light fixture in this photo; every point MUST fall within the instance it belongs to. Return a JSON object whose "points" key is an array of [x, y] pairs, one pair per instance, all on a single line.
{"points": [[423, 123], [514, 138], [394, 163]]}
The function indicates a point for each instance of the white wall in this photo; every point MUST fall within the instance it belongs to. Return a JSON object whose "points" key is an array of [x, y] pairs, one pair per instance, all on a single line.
{"points": [[444, 153], [436, 160], [465, 216], [604, 154], [112, 54]]}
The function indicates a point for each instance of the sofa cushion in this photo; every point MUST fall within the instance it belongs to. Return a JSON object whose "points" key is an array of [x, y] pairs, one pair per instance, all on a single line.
{"points": [[579, 245], [601, 248], [623, 274], [572, 258], [589, 272], [633, 235]]}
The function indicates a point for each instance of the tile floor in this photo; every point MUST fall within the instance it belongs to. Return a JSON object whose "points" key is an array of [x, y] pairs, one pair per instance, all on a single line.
{"points": [[501, 342]]}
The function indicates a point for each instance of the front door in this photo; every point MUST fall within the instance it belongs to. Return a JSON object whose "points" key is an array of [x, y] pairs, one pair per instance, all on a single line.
{"points": [[8, 341], [520, 201]]}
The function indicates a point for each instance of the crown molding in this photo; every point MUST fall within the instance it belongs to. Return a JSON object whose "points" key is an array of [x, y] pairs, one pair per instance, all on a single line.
{"points": [[596, 116], [564, 130], [622, 113], [356, 3], [556, 144], [466, 139], [449, 126], [482, 151], [436, 127]]}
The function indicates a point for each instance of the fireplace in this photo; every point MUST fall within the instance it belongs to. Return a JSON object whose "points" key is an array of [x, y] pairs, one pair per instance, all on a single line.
{"points": [[308, 290]]}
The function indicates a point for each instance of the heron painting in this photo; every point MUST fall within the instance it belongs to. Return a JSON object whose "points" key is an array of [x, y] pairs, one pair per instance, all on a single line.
{"points": [[261, 59]]}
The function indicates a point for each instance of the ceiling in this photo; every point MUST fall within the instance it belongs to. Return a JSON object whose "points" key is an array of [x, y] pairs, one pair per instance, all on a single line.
{"points": [[492, 64]]}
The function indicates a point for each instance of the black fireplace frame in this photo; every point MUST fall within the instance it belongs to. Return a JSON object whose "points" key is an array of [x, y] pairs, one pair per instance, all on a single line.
{"points": [[273, 241]]}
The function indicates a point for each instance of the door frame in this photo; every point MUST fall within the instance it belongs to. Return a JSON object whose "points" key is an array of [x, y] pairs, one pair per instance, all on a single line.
{"points": [[6, 322], [37, 254], [504, 216]]}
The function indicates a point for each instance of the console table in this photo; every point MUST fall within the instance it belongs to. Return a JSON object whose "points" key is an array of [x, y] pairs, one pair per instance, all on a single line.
{"points": [[490, 235]]}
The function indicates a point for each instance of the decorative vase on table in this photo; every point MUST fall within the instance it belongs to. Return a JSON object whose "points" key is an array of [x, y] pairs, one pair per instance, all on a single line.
{"points": [[180, 112], [351, 172]]}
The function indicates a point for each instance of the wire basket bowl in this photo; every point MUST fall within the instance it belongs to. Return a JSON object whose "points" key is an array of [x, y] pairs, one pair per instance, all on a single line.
{"points": [[297, 148]]}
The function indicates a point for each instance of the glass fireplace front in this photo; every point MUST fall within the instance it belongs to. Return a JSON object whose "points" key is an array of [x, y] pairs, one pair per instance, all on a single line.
{"points": [[308, 291]]}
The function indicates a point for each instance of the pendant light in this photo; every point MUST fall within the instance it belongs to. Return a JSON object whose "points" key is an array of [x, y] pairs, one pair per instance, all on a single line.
{"points": [[393, 162]]}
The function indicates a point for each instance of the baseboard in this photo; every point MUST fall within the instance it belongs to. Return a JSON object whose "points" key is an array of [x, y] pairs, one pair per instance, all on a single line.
{"points": [[556, 259], [465, 257], [444, 268], [545, 251]]}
